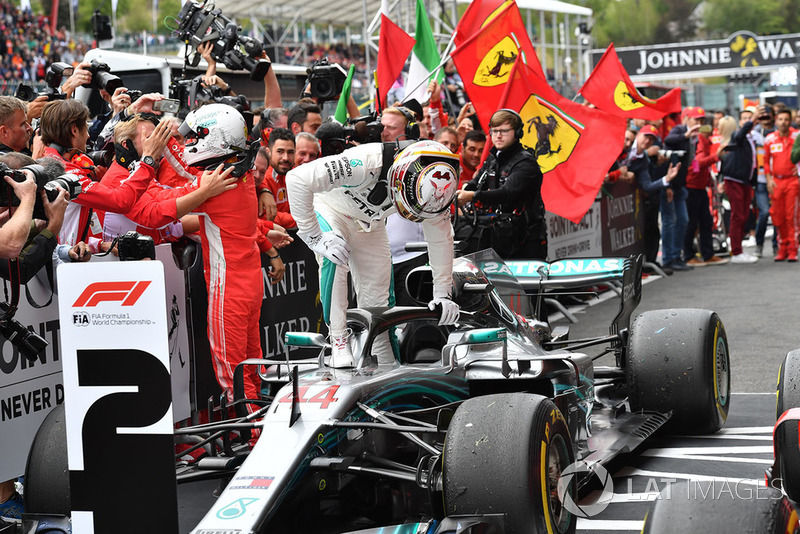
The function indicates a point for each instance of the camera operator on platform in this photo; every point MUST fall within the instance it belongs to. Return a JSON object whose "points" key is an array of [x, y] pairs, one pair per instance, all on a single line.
{"points": [[510, 182]]}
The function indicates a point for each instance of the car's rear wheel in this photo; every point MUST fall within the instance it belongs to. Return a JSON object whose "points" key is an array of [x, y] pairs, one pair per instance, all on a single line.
{"points": [[788, 383], [504, 454], [47, 472], [678, 360]]}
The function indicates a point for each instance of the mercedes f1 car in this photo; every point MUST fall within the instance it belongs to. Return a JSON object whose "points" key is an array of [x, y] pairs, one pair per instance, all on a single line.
{"points": [[474, 428]]}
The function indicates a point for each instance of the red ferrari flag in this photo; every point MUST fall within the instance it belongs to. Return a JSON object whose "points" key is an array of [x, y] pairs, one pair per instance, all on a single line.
{"points": [[610, 88], [485, 59], [575, 145], [394, 46], [479, 13]]}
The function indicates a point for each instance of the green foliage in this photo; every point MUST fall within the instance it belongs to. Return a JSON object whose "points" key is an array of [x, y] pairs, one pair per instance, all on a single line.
{"points": [[626, 22], [724, 17]]}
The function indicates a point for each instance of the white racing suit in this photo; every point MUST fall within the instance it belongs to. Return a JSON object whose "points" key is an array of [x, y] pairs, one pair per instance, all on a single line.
{"points": [[332, 194]]}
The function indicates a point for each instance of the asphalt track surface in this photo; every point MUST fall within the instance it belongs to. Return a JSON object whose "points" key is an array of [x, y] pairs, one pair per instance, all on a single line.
{"points": [[758, 306]]}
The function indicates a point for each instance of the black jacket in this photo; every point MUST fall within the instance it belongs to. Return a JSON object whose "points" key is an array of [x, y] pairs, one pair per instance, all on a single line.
{"points": [[737, 157], [34, 256], [676, 140], [511, 181]]}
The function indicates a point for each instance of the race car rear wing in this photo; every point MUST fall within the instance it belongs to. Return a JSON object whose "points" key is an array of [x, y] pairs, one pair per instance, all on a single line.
{"points": [[540, 277]]}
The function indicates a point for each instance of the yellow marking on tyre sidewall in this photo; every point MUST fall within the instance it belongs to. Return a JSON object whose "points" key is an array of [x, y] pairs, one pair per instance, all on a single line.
{"points": [[543, 483]]}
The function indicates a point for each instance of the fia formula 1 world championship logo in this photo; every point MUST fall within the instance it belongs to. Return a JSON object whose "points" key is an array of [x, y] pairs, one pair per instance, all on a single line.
{"points": [[596, 505]]}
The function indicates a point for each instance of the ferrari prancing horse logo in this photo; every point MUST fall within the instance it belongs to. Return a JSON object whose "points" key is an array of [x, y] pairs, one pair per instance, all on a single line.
{"points": [[550, 131]]}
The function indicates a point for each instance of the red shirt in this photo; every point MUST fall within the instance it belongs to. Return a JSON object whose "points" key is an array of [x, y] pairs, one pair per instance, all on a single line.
{"points": [[777, 150], [699, 174], [277, 184]]}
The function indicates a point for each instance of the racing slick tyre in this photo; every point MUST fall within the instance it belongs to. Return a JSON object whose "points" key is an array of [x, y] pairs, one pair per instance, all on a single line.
{"points": [[786, 441], [718, 506], [504, 454], [788, 384], [678, 360], [47, 473]]}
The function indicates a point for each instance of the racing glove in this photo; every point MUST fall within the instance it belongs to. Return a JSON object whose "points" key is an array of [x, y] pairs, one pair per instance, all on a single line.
{"points": [[330, 245], [450, 309]]}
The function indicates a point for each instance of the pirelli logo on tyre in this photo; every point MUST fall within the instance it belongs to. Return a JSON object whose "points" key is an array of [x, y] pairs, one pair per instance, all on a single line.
{"points": [[127, 293]]}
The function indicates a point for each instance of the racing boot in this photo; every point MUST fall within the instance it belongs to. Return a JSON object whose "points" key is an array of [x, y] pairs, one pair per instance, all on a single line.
{"points": [[341, 356], [382, 349], [791, 252], [783, 251]]}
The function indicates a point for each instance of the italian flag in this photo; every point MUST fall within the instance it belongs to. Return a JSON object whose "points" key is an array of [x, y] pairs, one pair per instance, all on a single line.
{"points": [[424, 58], [393, 47]]}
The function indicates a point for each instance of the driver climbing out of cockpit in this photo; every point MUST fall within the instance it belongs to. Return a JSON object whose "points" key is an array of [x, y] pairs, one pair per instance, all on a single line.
{"points": [[341, 203]]}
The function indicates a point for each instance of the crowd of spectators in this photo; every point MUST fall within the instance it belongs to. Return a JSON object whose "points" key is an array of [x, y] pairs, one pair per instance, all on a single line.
{"points": [[30, 46]]}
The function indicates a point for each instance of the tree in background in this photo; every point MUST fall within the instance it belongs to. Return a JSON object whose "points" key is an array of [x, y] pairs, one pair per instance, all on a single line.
{"points": [[763, 17]]}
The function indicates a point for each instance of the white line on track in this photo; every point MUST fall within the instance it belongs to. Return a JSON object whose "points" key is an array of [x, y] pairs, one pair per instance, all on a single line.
{"points": [[730, 459], [741, 437], [610, 524], [633, 472], [683, 451]]}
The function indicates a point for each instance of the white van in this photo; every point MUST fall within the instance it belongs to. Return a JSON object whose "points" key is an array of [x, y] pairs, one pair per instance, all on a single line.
{"points": [[152, 74]]}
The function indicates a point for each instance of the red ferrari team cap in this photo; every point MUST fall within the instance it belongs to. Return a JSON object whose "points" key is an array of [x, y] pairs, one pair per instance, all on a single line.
{"points": [[694, 112], [649, 129]]}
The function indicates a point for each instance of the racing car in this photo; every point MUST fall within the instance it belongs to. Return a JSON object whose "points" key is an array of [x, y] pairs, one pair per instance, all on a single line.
{"points": [[475, 427]]}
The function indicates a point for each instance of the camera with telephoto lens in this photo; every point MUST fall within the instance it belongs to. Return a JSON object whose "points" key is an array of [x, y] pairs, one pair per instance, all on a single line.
{"points": [[364, 129], [27, 342], [44, 182], [670, 153], [199, 24], [101, 158], [133, 246], [326, 80], [102, 77], [53, 77]]}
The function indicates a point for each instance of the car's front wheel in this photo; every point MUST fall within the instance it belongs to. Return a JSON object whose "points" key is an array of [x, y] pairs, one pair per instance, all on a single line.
{"points": [[504, 454]]}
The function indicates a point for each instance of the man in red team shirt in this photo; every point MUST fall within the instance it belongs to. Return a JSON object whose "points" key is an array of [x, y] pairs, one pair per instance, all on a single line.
{"points": [[782, 184], [272, 191]]}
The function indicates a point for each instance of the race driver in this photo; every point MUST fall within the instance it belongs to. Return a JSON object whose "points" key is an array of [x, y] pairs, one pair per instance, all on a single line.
{"points": [[216, 138], [341, 203]]}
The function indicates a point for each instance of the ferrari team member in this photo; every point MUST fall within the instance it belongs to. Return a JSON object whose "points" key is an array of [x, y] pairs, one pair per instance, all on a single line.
{"points": [[65, 132], [272, 189], [159, 210], [216, 135], [782, 183], [341, 203]]}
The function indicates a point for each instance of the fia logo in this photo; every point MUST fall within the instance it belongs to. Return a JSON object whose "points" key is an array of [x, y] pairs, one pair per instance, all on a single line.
{"points": [[80, 319]]}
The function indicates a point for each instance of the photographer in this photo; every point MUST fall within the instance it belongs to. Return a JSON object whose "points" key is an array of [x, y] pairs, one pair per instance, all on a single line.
{"points": [[15, 131], [65, 133], [14, 229], [38, 250]]}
